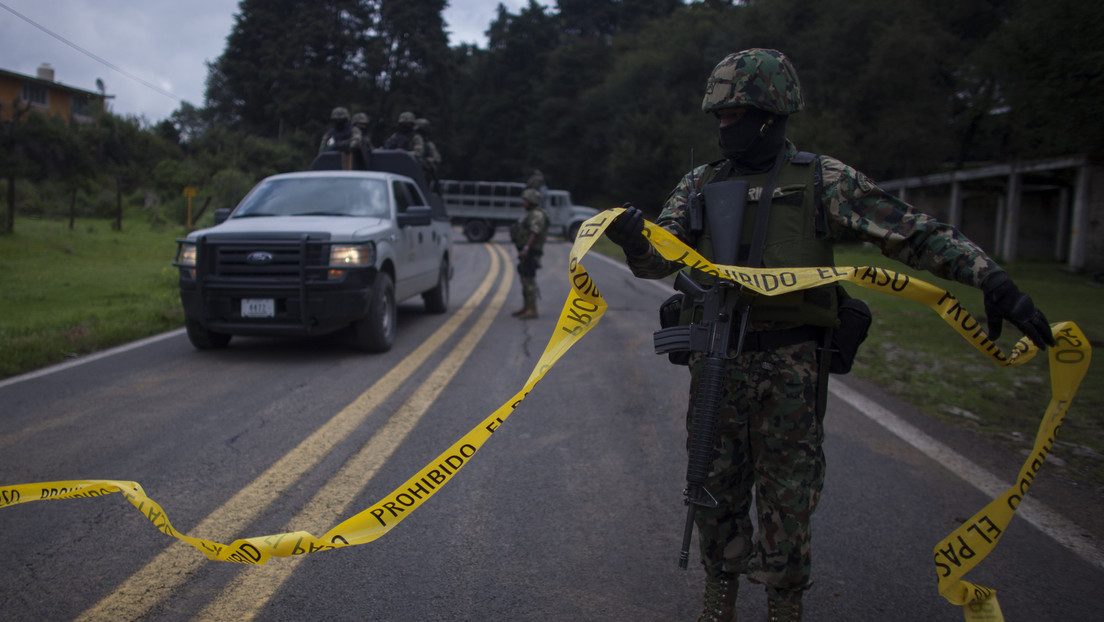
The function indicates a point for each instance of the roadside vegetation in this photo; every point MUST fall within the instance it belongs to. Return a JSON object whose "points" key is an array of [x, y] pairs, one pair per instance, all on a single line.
{"points": [[914, 355], [68, 292]]}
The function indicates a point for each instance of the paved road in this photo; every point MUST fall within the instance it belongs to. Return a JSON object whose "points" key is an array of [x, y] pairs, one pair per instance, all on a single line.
{"points": [[572, 511]]}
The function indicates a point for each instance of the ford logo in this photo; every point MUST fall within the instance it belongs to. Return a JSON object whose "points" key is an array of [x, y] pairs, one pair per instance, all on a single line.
{"points": [[258, 258]]}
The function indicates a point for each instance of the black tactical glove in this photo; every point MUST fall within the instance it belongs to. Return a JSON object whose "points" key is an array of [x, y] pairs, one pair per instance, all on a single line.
{"points": [[627, 231], [1004, 301]]}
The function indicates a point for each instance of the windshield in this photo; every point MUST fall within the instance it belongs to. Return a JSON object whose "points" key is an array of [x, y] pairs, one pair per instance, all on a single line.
{"points": [[306, 196]]}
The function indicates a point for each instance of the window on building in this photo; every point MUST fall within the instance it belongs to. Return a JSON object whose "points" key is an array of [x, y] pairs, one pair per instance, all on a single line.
{"points": [[35, 94], [82, 107]]}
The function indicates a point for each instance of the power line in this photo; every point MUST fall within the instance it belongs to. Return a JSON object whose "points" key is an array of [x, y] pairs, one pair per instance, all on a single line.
{"points": [[90, 54]]}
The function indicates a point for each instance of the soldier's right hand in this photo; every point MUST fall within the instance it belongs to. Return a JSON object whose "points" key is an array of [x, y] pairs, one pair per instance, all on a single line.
{"points": [[627, 231]]}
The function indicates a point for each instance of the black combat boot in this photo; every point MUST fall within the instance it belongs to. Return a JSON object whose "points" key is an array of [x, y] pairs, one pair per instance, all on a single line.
{"points": [[784, 609], [720, 597]]}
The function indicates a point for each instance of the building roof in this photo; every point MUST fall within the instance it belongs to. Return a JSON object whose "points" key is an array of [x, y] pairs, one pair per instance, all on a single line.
{"points": [[52, 84]]}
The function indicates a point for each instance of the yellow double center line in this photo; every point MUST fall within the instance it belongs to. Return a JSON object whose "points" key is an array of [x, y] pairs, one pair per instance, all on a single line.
{"points": [[254, 586]]}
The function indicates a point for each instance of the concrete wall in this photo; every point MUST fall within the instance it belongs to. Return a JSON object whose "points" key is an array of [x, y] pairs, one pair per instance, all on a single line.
{"points": [[1059, 217]]}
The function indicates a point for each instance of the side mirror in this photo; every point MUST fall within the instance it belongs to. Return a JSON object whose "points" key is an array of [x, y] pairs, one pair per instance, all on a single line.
{"points": [[221, 214], [416, 216]]}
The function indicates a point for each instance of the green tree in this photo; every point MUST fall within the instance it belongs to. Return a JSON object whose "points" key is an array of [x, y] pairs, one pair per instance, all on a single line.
{"points": [[571, 136], [500, 94], [13, 158], [1049, 59], [414, 55], [38, 148], [287, 63], [599, 18], [651, 99]]}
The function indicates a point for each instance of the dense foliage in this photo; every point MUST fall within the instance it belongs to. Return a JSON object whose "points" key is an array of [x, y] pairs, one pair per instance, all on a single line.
{"points": [[602, 95]]}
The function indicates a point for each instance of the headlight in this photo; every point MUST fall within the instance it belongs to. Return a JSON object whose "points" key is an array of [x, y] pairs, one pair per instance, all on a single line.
{"points": [[186, 255], [352, 255]]}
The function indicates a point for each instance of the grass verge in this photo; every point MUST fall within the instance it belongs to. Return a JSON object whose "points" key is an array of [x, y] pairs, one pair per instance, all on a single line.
{"points": [[914, 355], [66, 292]]}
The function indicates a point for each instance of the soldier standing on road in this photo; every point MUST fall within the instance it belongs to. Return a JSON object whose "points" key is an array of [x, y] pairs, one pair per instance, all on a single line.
{"points": [[528, 235], [770, 424]]}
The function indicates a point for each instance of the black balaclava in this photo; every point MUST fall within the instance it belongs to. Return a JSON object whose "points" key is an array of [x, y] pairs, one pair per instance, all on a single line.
{"points": [[753, 142]]}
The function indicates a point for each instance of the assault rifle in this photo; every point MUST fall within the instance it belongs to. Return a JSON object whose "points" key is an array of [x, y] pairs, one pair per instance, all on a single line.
{"points": [[719, 313]]}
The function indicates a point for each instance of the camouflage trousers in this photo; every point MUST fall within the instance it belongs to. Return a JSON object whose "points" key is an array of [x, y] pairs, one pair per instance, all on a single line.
{"points": [[527, 270], [769, 438]]}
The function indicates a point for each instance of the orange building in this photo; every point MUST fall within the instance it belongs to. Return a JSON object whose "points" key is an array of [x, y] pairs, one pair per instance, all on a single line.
{"points": [[41, 92]]}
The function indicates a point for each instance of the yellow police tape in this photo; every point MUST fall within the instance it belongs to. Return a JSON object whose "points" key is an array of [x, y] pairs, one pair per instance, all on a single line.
{"points": [[954, 556]]}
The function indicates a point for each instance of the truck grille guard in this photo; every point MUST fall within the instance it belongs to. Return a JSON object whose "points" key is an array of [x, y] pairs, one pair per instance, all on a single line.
{"points": [[261, 261]]}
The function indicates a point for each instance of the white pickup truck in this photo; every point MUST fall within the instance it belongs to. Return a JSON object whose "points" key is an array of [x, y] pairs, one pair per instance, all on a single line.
{"points": [[482, 206], [314, 252]]}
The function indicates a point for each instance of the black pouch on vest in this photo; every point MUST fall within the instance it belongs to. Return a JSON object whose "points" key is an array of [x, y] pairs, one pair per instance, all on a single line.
{"points": [[669, 313], [854, 317]]}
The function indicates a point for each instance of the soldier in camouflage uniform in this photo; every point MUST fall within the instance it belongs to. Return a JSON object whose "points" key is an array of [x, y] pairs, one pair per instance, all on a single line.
{"points": [[431, 163], [362, 125], [432, 156], [536, 180], [770, 426], [340, 136], [528, 235], [406, 138]]}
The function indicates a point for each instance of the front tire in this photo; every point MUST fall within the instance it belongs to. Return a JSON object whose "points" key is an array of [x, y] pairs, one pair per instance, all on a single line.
{"points": [[203, 338], [375, 332], [437, 299]]}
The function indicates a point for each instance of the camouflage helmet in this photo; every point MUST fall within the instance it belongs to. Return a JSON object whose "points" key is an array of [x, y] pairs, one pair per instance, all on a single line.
{"points": [[421, 123], [360, 119], [760, 78], [339, 113], [531, 196], [407, 117]]}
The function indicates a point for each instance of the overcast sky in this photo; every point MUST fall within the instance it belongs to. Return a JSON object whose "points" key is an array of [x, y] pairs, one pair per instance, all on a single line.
{"points": [[152, 54]]}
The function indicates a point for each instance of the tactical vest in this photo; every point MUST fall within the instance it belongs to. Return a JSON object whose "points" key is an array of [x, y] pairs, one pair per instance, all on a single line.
{"points": [[400, 140], [791, 242], [339, 136], [519, 234]]}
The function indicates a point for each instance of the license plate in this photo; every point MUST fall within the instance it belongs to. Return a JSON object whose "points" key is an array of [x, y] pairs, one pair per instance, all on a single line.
{"points": [[258, 307]]}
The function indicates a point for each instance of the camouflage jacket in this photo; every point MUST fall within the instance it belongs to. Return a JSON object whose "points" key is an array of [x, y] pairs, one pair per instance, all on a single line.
{"points": [[854, 204], [340, 140], [431, 154], [407, 141], [535, 223]]}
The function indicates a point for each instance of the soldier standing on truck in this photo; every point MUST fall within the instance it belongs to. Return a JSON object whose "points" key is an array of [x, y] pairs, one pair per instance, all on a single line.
{"points": [[432, 160], [405, 138], [528, 235], [361, 124], [341, 136]]}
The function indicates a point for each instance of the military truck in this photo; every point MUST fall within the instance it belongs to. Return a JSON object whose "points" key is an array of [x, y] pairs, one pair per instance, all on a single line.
{"points": [[318, 251], [479, 207]]}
